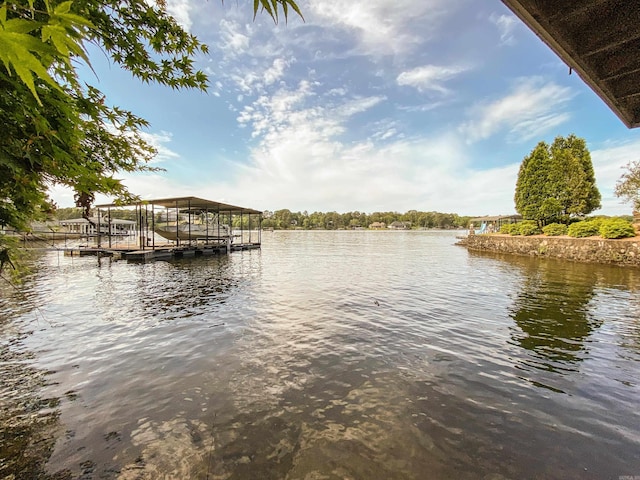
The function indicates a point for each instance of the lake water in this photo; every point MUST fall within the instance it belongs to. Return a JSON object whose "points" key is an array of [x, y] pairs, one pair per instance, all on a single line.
{"points": [[324, 355]]}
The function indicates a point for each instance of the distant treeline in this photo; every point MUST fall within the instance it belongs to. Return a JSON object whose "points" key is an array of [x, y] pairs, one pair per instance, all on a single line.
{"points": [[288, 220], [73, 212]]}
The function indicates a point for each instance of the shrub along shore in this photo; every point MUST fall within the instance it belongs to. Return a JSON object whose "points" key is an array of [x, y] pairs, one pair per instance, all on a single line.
{"points": [[609, 241], [612, 228]]}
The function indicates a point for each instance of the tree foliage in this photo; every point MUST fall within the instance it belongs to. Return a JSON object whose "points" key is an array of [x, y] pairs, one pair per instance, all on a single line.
{"points": [[628, 186], [286, 219], [57, 130], [532, 187], [557, 182]]}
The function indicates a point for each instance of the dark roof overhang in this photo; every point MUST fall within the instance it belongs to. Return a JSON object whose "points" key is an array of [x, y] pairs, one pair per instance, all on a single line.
{"points": [[599, 40]]}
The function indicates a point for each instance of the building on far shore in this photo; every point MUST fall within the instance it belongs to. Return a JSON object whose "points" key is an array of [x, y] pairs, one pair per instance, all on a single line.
{"points": [[82, 226], [400, 225], [377, 226]]}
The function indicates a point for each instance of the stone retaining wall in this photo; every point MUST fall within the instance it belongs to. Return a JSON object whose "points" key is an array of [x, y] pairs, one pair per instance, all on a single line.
{"points": [[597, 250]]}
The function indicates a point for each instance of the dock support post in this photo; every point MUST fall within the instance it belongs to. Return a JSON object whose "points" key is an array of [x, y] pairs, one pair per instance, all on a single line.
{"points": [[109, 222], [177, 225], [98, 232]]}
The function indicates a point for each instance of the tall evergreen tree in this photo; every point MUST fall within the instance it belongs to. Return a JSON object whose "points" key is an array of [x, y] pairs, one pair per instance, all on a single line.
{"points": [[532, 189], [575, 181], [557, 182]]}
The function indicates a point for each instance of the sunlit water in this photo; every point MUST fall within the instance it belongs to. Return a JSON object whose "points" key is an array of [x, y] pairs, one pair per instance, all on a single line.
{"points": [[326, 355]]}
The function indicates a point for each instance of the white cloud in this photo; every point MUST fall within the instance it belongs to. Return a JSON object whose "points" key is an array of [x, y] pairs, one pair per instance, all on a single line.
{"points": [[160, 140], [429, 77], [382, 27], [234, 37], [357, 105], [532, 108], [302, 161], [506, 25], [254, 75], [386, 134], [181, 11], [337, 92], [324, 174], [276, 71], [62, 196], [386, 129]]}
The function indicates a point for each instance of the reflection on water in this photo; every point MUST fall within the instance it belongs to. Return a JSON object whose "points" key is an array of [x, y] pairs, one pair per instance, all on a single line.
{"points": [[364, 355], [553, 315], [167, 291], [29, 421]]}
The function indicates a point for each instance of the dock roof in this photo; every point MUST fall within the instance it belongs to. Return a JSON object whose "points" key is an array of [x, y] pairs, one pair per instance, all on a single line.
{"points": [[187, 204]]}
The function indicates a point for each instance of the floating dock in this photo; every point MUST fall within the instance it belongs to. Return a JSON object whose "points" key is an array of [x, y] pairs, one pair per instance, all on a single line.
{"points": [[158, 253]]}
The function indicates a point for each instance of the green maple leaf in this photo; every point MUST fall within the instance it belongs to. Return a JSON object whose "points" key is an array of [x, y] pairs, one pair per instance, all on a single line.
{"points": [[22, 52]]}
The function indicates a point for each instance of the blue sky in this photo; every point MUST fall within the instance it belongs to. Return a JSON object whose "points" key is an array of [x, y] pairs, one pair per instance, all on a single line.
{"points": [[368, 105]]}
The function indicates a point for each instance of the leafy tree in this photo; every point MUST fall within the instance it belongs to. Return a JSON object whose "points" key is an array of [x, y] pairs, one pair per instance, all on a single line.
{"points": [[628, 186], [58, 130], [282, 219], [557, 182]]}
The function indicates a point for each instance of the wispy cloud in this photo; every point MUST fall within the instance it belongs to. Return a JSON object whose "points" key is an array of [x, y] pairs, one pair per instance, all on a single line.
{"points": [[383, 27], [160, 141], [301, 160], [270, 113], [234, 37], [532, 108], [276, 71], [506, 25], [385, 130], [430, 77]]}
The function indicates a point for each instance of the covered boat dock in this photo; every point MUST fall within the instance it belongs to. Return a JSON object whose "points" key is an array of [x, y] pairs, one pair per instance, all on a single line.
{"points": [[173, 228]]}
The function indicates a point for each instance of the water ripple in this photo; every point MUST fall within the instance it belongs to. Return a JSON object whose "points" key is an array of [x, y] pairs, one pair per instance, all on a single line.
{"points": [[335, 355]]}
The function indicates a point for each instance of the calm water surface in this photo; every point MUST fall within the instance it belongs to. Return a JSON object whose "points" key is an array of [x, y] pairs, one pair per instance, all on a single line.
{"points": [[326, 355]]}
